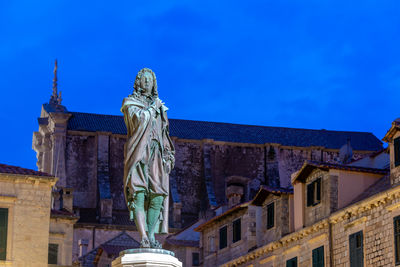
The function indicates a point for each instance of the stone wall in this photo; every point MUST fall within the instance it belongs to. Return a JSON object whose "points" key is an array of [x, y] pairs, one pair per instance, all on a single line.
{"points": [[317, 212], [28, 202], [81, 169], [61, 233], [212, 255], [281, 223]]}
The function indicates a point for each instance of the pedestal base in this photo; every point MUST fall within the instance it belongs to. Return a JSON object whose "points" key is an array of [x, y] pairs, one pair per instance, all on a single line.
{"points": [[146, 257]]}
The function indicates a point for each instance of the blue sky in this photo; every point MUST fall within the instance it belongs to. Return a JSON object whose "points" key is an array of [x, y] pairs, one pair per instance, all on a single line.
{"points": [[307, 64]]}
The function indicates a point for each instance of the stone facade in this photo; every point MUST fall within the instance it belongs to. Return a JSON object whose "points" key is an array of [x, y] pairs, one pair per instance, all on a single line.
{"points": [[86, 152], [27, 199], [210, 249]]}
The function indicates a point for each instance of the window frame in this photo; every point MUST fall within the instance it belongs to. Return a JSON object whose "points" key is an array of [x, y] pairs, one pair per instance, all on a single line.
{"points": [[356, 235], [317, 252], [271, 221], [396, 244], [198, 258], [57, 256], [314, 192], [234, 232], [3, 255], [396, 148], [226, 237], [292, 261]]}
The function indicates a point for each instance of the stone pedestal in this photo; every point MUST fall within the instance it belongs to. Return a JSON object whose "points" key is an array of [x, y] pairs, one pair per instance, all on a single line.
{"points": [[146, 257]]}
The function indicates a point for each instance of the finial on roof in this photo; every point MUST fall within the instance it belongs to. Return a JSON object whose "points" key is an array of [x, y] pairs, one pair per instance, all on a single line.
{"points": [[55, 97]]}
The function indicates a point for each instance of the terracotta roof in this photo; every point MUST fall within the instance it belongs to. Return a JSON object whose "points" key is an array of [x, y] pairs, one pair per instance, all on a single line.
{"points": [[309, 166], [237, 133], [4, 168], [219, 217], [264, 191]]}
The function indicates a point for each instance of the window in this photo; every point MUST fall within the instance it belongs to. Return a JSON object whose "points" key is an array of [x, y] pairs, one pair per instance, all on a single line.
{"points": [[396, 227], [318, 257], [356, 250], [53, 253], [195, 259], [270, 215], [211, 243], [223, 232], [397, 151], [292, 262], [3, 233], [237, 230], [314, 193]]}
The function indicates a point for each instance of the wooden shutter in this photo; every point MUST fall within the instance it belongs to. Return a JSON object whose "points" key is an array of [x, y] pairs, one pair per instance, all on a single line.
{"points": [[270, 215], [396, 227], [292, 262], [3, 233], [195, 259], [318, 257], [356, 250], [237, 230], [223, 237], [397, 151], [53, 253], [318, 186], [310, 194]]}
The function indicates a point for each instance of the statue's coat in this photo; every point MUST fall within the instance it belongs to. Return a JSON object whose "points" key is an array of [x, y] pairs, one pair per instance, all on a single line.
{"points": [[143, 122]]}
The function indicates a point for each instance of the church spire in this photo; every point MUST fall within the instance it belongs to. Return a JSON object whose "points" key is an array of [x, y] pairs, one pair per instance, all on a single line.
{"points": [[56, 96]]}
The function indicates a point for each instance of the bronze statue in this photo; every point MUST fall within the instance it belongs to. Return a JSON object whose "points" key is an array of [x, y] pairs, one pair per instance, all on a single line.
{"points": [[149, 158]]}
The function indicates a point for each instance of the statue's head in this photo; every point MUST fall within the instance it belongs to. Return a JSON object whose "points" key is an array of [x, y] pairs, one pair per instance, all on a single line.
{"points": [[146, 83]]}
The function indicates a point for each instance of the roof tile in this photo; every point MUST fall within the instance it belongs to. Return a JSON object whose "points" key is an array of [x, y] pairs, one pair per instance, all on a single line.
{"points": [[237, 133]]}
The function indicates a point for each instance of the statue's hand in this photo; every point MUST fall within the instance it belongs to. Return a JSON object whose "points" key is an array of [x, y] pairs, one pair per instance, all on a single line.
{"points": [[158, 104]]}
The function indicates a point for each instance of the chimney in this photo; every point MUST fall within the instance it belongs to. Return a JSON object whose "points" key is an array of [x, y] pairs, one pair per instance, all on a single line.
{"points": [[234, 194]]}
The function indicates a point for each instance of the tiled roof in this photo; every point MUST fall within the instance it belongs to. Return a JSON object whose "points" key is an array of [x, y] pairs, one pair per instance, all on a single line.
{"points": [[221, 216], [186, 237], [4, 168], [309, 166], [188, 129], [264, 191]]}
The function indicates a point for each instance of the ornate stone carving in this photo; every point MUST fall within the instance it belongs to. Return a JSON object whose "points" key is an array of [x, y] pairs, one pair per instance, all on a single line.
{"points": [[41, 144]]}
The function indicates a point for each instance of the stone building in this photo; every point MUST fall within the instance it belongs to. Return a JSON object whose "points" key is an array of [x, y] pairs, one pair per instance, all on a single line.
{"points": [[32, 233], [85, 151], [338, 215]]}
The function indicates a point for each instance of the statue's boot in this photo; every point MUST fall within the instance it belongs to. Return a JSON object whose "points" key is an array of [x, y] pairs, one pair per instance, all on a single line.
{"points": [[153, 217], [140, 218]]}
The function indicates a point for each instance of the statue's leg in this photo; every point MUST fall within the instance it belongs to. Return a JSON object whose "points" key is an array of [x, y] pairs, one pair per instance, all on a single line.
{"points": [[153, 215], [140, 217]]}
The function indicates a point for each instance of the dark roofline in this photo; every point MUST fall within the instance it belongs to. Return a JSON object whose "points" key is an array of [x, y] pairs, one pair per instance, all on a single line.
{"points": [[234, 133], [219, 217], [264, 191], [309, 166], [11, 169], [230, 123]]}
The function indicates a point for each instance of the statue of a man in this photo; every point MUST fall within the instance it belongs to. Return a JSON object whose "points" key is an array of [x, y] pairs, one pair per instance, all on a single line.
{"points": [[149, 158]]}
